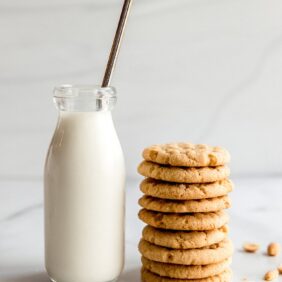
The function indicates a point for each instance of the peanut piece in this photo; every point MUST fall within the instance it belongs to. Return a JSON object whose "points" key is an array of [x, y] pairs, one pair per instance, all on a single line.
{"points": [[250, 247], [271, 275], [279, 268], [273, 249]]}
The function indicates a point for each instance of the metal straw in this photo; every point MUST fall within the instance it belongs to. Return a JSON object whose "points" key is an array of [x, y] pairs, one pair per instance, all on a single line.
{"points": [[116, 44]]}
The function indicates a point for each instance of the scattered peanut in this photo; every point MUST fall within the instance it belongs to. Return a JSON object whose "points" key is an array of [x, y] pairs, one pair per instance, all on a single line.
{"points": [[251, 247], [271, 275], [273, 249]]}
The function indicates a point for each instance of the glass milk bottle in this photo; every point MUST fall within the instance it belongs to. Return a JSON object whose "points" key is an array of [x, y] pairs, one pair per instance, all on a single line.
{"points": [[84, 189]]}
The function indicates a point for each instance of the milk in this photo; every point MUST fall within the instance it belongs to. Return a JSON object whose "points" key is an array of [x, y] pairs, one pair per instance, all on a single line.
{"points": [[84, 199]]}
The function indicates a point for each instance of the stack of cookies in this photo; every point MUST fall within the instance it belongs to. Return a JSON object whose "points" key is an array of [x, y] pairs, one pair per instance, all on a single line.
{"points": [[186, 193]]}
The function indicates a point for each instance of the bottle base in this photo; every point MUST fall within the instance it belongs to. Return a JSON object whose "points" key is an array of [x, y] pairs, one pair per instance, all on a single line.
{"points": [[115, 280]]}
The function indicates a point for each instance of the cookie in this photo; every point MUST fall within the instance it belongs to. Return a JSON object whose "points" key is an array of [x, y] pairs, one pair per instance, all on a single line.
{"points": [[186, 206], [185, 271], [184, 239], [183, 174], [184, 191], [148, 276], [190, 221], [186, 154], [206, 255]]}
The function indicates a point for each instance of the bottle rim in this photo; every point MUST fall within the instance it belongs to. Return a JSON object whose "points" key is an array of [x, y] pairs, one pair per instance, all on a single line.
{"points": [[84, 98], [75, 91]]}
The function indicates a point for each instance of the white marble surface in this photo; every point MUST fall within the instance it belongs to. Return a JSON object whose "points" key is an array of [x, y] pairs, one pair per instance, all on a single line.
{"points": [[255, 216], [200, 70]]}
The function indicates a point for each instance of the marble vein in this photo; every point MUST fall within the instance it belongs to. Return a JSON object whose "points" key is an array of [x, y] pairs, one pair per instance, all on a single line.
{"points": [[236, 91], [23, 212]]}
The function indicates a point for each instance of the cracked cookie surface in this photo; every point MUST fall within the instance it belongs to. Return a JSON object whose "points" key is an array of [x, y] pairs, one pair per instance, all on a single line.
{"points": [[190, 221], [202, 256], [187, 154], [185, 271], [148, 276], [185, 191], [183, 174], [184, 239], [185, 206]]}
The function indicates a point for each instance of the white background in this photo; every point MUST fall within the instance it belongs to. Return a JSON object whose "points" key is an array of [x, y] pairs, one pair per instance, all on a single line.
{"points": [[198, 70]]}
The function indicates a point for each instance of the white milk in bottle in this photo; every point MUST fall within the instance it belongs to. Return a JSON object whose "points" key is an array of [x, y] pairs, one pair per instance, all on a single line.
{"points": [[84, 189]]}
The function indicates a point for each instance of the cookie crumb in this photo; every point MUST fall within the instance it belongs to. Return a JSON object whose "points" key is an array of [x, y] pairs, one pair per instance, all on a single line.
{"points": [[271, 275], [273, 249], [251, 247]]}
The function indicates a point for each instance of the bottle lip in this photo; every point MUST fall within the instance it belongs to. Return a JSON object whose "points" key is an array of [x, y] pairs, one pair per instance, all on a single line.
{"points": [[84, 98], [76, 91]]}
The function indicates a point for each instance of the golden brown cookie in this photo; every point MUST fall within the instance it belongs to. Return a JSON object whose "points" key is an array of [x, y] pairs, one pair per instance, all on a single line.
{"points": [[190, 221], [206, 255], [185, 271], [148, 276], [187, 154], [184, 239], [185, 191], [183, 174], [186, 206]]}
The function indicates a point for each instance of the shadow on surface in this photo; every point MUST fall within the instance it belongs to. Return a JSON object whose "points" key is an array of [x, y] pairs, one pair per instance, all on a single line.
{"points": [[32, 277], [132, 275]]}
